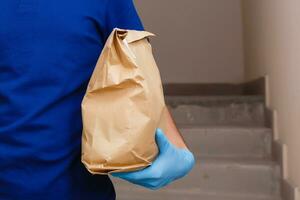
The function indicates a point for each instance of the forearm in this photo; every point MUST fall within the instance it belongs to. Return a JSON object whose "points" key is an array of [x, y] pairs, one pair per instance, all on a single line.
{"points": [[172, 131]]}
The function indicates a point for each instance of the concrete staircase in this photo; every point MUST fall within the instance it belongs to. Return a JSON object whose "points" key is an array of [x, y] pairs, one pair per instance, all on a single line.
{"points": [[233, 150]]}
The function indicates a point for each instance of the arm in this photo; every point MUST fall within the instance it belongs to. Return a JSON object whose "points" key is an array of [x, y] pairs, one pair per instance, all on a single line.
{"points": [[172, 132]]}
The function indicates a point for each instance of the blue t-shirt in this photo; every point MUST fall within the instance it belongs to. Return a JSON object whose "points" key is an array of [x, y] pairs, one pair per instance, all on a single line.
{"points": [[48, 50]]}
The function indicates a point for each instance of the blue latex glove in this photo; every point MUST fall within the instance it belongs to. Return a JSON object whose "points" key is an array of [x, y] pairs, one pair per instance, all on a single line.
{"points": [[171, 163]]}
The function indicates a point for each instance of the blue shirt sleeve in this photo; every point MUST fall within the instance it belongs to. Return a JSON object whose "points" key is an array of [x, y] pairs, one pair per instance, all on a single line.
{"points": [[121, 14]]}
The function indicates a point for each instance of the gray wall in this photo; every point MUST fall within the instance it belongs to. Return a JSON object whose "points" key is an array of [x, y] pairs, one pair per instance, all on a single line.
{"points": [[197, 40]]}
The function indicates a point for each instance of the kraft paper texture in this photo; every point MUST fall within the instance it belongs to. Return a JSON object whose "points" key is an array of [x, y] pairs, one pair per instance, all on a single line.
{"points": [[123, 106]]}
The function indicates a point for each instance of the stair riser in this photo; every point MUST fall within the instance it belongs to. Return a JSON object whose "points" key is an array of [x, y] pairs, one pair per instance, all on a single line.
{"points": [[229, 142], [216, 178], [232, 114], [240, 178], [156, 195], [138, 194]]}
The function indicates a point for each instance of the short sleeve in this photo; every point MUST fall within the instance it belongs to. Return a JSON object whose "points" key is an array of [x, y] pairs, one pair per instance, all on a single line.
{"points": [[121, 14]]}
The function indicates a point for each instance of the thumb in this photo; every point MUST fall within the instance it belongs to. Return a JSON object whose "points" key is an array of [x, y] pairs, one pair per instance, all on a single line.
{"points": [[161, 140]]}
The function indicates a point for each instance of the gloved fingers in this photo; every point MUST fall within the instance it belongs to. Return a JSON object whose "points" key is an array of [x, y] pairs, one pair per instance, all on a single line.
{"points": [[157, 184], [145, 182], [164, 184], [126, 175], [135, 175], [150, 183], [161, 140], [150, 177], [138, 182]]}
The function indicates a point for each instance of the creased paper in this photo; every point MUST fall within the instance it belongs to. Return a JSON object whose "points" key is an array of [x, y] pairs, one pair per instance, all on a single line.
{"points": [[123, 106]]}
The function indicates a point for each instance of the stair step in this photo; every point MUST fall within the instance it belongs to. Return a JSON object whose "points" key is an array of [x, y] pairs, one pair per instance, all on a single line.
{"points": [[217, 110], [221, 176], [143, 194], [229, 141]]}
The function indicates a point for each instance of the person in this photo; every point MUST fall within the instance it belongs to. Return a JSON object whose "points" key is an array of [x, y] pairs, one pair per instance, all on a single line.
{"points": [[48, 50]]}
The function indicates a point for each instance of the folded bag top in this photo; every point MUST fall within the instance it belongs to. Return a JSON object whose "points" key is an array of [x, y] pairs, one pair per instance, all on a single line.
{"points": [[123, 106]]}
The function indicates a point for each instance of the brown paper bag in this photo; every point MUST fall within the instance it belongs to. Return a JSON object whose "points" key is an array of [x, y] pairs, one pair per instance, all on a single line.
{"points": [[123, 106]]}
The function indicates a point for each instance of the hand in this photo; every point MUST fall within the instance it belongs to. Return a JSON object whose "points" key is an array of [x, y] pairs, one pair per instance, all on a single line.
{"points": [[171, 164]]}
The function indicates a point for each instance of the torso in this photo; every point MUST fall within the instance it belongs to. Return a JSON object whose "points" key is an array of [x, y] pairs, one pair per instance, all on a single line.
{"points": [[48, 50]]}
